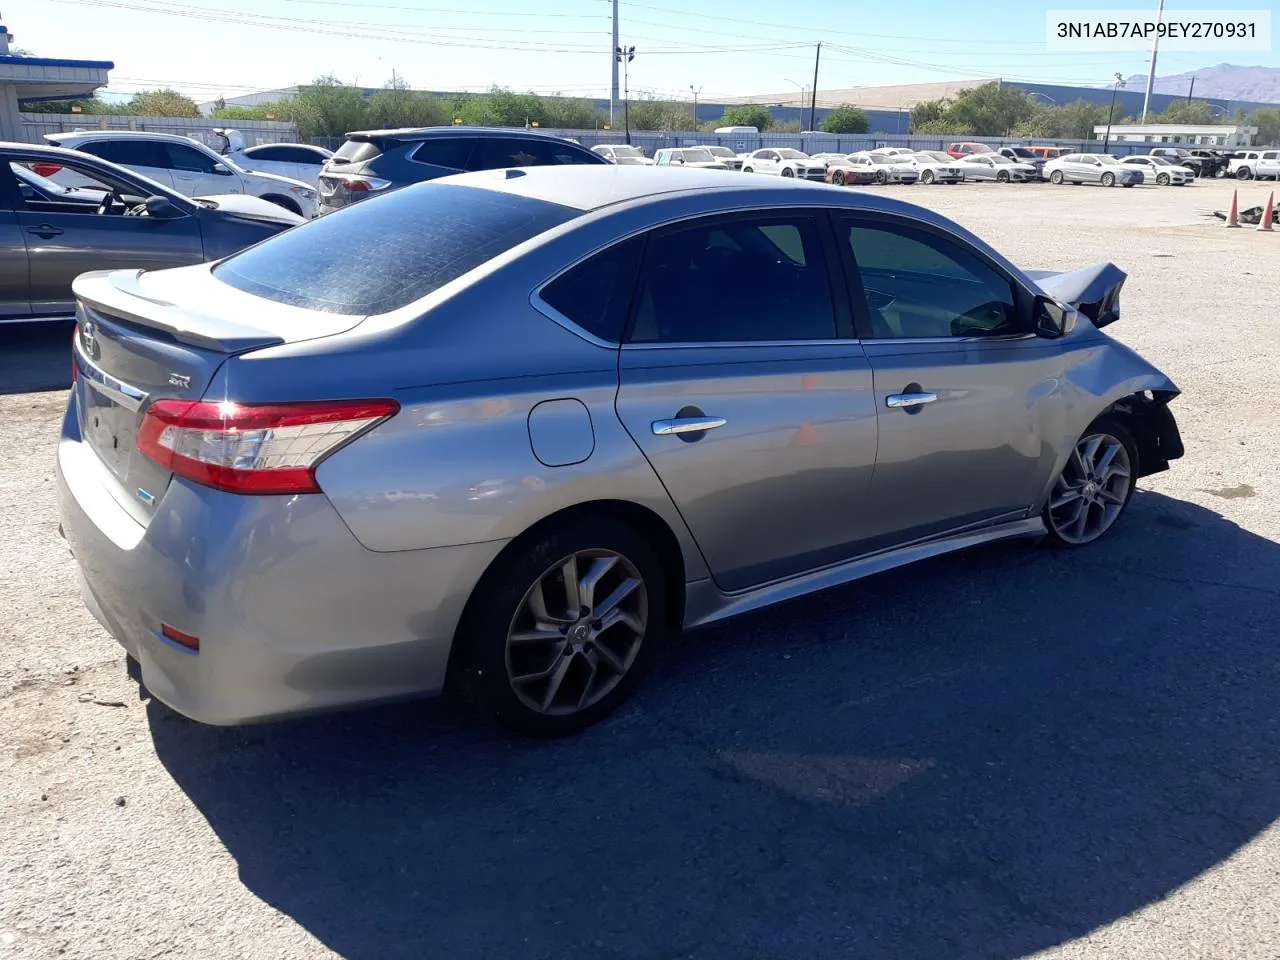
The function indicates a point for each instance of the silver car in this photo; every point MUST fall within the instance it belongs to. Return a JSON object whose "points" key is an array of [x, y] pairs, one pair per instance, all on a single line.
{"points": [[513, 430], [1092, 168]]}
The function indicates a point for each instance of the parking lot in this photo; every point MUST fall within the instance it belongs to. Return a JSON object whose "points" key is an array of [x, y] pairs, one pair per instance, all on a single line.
{"points": [[1003, 753]]}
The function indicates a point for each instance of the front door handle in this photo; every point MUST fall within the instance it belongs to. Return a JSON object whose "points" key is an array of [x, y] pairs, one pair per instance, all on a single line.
{"points": [[46, 231], [909, 400], [663, 428]]}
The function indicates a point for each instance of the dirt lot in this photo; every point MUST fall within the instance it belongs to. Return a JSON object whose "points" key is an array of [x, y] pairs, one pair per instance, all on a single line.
{"points": [[992, 755]]}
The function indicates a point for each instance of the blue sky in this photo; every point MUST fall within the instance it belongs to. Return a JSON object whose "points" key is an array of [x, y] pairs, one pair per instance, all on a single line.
{"points": [[208, 48]]}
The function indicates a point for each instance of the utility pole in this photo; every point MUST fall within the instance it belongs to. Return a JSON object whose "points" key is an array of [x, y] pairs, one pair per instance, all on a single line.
{"points": [[695, 105], [625, 55], [1191, 89], [1106, 140], [613, 89], [813, 96], [1151, 74]]}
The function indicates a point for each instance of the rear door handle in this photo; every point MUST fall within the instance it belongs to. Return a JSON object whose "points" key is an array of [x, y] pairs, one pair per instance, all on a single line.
{"points": [[663, 428], [909, 399], [45, 230]]}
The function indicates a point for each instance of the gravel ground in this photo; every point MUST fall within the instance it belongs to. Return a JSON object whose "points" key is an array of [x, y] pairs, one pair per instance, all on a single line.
{"points": [[999, 754]]}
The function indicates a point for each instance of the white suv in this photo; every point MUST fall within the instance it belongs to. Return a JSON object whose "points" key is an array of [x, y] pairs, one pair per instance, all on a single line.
{"points": [[186, 165], [1255, 164]]}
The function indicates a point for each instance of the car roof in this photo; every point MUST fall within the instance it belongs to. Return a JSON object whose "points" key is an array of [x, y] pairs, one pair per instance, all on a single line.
{"points": [[72, 135], [432, 133], [590, 187]]}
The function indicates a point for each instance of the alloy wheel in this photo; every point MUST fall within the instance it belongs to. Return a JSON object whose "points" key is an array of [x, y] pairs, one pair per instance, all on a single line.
{"points": [[1092, 489], [1108, 179], [576, 632]]}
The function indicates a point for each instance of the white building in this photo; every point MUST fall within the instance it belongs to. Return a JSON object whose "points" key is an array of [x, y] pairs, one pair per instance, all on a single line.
{"points": [[1206, 135]]}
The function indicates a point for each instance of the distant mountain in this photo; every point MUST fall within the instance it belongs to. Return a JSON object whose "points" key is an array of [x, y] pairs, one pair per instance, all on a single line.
{"points": [[1225, 81]]}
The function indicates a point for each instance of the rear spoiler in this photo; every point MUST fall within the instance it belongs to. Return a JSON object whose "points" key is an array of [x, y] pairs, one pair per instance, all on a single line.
{"points": [[1094, 291], [118, 293]]}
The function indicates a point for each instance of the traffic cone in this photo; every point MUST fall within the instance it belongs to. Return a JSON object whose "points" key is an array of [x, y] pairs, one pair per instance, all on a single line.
{"points": [[1267, 216], [1233, 218]]}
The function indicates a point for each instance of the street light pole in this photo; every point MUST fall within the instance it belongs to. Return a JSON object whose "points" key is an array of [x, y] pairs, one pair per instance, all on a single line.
{"points": [[1110, 112], [625, 55], [695, 105]]}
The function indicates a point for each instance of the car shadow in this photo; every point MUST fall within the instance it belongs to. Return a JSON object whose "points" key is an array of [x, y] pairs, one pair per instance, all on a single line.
{"points": [[978, 756], [35, 356]]}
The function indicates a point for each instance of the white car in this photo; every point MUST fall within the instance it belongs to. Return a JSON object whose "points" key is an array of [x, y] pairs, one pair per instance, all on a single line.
{"points": [[693, 158], [297, 161], [1255, 165], [186, 165], [992, 166], [889, 168], [894, 151], [1093, 168], [784, 162], [725, 156], [934, 166], [622, 154], [1161, 170]]}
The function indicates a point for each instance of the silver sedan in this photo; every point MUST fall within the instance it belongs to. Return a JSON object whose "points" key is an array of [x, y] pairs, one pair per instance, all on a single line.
{"points": [[513, 430]]}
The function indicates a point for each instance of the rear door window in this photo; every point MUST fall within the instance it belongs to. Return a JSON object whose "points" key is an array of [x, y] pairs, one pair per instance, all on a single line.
{"points": [[450, 152], [493, 153], [128, 153], [357, 151], [389, 251]]}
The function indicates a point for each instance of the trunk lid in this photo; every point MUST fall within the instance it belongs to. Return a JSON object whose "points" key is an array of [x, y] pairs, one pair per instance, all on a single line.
{"points": [[138, 341]]}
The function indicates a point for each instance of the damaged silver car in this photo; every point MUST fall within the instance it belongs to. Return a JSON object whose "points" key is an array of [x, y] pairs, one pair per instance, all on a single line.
{"points": [[513, 430]]}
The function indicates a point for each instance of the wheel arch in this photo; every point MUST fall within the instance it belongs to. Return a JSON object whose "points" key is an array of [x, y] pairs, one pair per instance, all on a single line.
{"points": [[644, 520], [1146, 415]]}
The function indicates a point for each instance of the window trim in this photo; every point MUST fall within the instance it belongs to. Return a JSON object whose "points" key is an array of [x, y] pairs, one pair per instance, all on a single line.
{"points": [[857, 296]]}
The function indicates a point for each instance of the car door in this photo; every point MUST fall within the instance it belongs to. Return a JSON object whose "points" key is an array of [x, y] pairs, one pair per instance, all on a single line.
{"points": [[195, 173], [740, 384], [959, 384], [64, 240], [767, 161], [15, 300], [142, 156]]}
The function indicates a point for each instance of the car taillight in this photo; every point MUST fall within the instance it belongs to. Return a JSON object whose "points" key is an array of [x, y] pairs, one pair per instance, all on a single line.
{"points": [[45, 169], [254, 448], [365, 184]]}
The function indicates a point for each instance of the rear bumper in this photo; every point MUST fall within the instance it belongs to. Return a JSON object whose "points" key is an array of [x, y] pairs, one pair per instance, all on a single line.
{"points": [[294, 615]]}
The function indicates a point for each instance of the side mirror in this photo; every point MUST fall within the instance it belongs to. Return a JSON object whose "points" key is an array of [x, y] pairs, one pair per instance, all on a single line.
{"points": [[161, 208], [222, 170], [1051, 318]]}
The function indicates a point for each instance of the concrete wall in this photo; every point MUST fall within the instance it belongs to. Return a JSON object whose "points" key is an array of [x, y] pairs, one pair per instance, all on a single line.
{"points": [[36, 125]]}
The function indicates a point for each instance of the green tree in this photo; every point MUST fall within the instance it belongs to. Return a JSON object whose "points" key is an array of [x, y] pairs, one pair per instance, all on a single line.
{"points": [[1267, 120], [653, 114], [955, 128], [567, 113], [1073, 121], [395, 105], [747, 115], [1186, 111], [846, 118], [928, 111], [326, 108], [162, 103], [258, 112], [992, 109]]}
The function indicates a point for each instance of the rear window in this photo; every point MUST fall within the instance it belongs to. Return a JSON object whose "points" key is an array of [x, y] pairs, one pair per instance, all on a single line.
{"points": [[386, 252], [358, 151]]}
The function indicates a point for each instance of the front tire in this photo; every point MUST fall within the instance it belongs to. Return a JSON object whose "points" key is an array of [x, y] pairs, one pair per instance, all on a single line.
{"points": [[837, 178], [1108, 179], [747, 170], [1056, 178], [927, 177], [788, 172], [1163, 179], [1003, 176], [1094, 487], [881, 177], [561, 631]]}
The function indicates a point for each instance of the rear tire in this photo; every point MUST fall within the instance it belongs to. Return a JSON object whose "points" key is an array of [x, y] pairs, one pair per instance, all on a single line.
{"points": [[1056, 178], [747, 170], [837, 177], [513, 674], [1244, 173]]}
